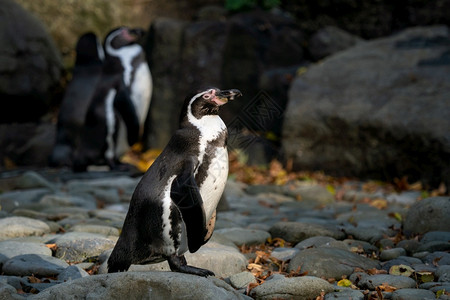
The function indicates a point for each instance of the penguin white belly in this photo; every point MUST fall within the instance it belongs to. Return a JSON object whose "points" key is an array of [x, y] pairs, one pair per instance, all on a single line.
{"points": [[141, 91], [212, 187]]}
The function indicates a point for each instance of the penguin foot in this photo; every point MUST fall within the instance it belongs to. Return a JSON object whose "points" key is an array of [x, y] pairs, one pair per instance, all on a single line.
{"points": [[179, 264]]}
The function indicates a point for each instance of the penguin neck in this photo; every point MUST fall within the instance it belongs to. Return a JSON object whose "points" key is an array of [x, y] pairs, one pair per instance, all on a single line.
{"points": [[126, 55], [210, 126]]}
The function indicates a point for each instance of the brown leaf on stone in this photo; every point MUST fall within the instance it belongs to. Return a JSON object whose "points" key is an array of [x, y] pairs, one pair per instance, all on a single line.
{"points": [[52, 247], [33, 279], [376, 271], [436, 261], [386, 287]]}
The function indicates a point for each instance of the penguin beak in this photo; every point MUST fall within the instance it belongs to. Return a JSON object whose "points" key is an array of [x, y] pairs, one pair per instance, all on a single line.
{"points": [[225, 95]]}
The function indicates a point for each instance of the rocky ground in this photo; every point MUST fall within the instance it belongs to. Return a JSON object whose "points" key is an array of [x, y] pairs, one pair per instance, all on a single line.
{"points": [[313, 238]]}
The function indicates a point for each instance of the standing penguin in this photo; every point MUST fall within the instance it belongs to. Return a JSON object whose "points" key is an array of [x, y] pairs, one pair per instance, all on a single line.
{"points": [[77, 98], [115, 119], [173, 208]]}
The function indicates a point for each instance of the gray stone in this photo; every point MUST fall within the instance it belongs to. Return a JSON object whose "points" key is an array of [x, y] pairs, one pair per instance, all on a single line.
{"points": [[443, 273], [284, 253], [440, 258], [8, 292], [30, 65], [305, 287], [329, 262], [345, 295], [433, 236], [315, 241], [295, 232], [37, 264], [242, 280], [430, 214], [434, 246], [356, 245], [140, 285], [68, 200], [364, 111], [19, 226], [71, 273], [372, 281], [241, 236], [401, 260], [409, 245], [11, 248], [99, 229], [12, 200], [413, 294], [31, 180], [389, 254], [78, 246], [330, 40], [15, 281], [311, 193]]}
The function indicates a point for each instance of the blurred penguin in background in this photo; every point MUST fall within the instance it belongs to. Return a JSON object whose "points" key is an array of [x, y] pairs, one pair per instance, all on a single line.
{"points": [[116, 116], [77, 99]]}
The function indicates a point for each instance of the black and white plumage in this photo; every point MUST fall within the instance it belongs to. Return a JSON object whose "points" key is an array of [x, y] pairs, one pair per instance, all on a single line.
{"points": [[117, 114], [172, 209], [77, 98]]}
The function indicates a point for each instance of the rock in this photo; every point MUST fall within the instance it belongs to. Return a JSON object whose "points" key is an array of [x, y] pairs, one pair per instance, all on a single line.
{"points": [[12, 200], [438, 257], [434, 246], [223, 260], [19, 226], [241, 236], [140, 285], [409, 245], [11, 248], [71, 273], [245, 46], [357, 112], [413, 294], [8, 292], [329, 262], [295, 232], [99, 229], [37, 264], [389, 254], [30, 65], [399, 282], [68, 200], [242, 280], [430, 214], [284, 253], [31, 179], [305, 287], [356, 245], [330, 40], [311, 193], [432, 236], [401, 260], [315, 241], [78, 246], [443, 273], [345, 295]]}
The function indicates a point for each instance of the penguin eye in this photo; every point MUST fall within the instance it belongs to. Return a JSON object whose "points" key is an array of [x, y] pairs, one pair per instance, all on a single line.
{"points": [[207, 96]]}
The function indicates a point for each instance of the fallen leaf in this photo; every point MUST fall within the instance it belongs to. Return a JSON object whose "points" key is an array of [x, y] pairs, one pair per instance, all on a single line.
{"points": [[379, 203], [33, 279], [401, 270], [52, 247], [344, 283], [376, 271], [386, 287]]}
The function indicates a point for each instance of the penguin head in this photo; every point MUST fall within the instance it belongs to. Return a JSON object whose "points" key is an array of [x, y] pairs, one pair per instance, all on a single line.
{"points": [[207, 102], [122, 37], [89, 50]]}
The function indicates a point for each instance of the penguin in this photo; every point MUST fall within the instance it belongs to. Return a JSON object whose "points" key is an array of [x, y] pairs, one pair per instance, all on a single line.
{"points": [[77, 98], [116, 116], [173, 208]]}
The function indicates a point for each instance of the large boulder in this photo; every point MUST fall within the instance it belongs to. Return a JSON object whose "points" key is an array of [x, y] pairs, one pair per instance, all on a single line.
{"points": [[379, 109], [30, 65], [227, 52]]}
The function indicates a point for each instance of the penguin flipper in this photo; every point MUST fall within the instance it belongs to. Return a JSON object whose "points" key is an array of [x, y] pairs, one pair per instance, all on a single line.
{"points": [[126, 109], [186, 195]]}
